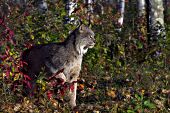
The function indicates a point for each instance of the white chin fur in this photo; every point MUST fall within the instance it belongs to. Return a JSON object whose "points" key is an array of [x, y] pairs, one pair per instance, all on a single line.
{"points": [[91, 46], [83, 51]]}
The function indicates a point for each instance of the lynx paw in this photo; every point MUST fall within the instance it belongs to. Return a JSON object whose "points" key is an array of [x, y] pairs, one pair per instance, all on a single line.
{"points": [[73, 104]]}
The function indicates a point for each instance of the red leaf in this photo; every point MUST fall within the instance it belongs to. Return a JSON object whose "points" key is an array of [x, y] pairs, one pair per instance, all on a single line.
{"points": [[26, 13], [7, 73], [49, 94], [72, 87], [27, 84], [24, 63], [1, 65], [28, 45], [26, 77], [62, 91], [3, 57], [11, 33], [53, 83]]}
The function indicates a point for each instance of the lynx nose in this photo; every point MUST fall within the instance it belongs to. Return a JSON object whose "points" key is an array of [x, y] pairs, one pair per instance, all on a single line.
{"points": [[94, 40]]}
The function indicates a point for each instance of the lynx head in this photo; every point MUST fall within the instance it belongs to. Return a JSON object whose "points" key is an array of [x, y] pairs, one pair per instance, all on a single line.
{"points": [[84, 39]]}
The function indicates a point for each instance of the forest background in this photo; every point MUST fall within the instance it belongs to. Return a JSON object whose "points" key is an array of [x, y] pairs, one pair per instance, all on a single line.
{"points": [[127, 70]]}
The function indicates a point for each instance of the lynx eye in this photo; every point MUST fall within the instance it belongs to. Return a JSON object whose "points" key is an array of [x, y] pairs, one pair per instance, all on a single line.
{"points": [[91, 36]]}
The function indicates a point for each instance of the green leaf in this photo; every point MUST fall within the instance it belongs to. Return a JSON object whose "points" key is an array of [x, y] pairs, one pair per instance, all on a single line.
{"points": [[130, 111], [137, 96], [140, 45], [148, 104], [137, 107], [118, 63]]}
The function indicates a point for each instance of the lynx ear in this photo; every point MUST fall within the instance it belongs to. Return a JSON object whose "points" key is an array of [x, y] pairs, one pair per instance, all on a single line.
{"points": [[82, 28]]}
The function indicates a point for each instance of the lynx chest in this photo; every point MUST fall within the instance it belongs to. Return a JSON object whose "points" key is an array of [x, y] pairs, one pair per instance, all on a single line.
{"points": [[72, 68]]}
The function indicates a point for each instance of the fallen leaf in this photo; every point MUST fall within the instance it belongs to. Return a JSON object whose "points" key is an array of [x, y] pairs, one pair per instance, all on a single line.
{"points": [[95, 111], [165, 91], [111, 93], [81, 87], [17, 107]]}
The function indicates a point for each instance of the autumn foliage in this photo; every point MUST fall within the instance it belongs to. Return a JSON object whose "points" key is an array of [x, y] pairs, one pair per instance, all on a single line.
{"points": [[123, 73]]}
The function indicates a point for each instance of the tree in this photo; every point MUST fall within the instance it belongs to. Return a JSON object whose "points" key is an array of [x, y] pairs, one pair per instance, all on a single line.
{"points": [[141, 7], [156, 20], [70, 6], [121, 9]]}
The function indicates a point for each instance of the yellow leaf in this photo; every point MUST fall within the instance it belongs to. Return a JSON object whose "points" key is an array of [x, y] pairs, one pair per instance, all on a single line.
{"points": [[32, 37], [111, 94], [142, 91], [16, 77], [10, 53], [43, 88], [3, 75], [95, 111]]}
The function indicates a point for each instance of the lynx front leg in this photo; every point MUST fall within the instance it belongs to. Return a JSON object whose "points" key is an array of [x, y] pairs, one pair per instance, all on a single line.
{"points": [[74, 73], [72, 95], [62, 76]]}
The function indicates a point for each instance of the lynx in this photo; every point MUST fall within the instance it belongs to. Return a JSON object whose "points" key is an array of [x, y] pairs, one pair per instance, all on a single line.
{"points": [[66, 55]]}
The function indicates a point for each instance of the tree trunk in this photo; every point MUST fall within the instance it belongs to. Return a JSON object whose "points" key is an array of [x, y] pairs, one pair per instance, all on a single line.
{"points": [[121, 9], [156, 30], [70, 7], [89, 10], [156, 17], [141, 22], [141, 7]]}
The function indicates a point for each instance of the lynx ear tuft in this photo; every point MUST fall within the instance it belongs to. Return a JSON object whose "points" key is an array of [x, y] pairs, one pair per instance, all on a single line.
{"points": [[82, 28]]}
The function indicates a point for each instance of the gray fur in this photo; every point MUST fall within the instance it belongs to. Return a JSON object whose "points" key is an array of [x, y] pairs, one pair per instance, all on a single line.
{"points": [[67, 55]]}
